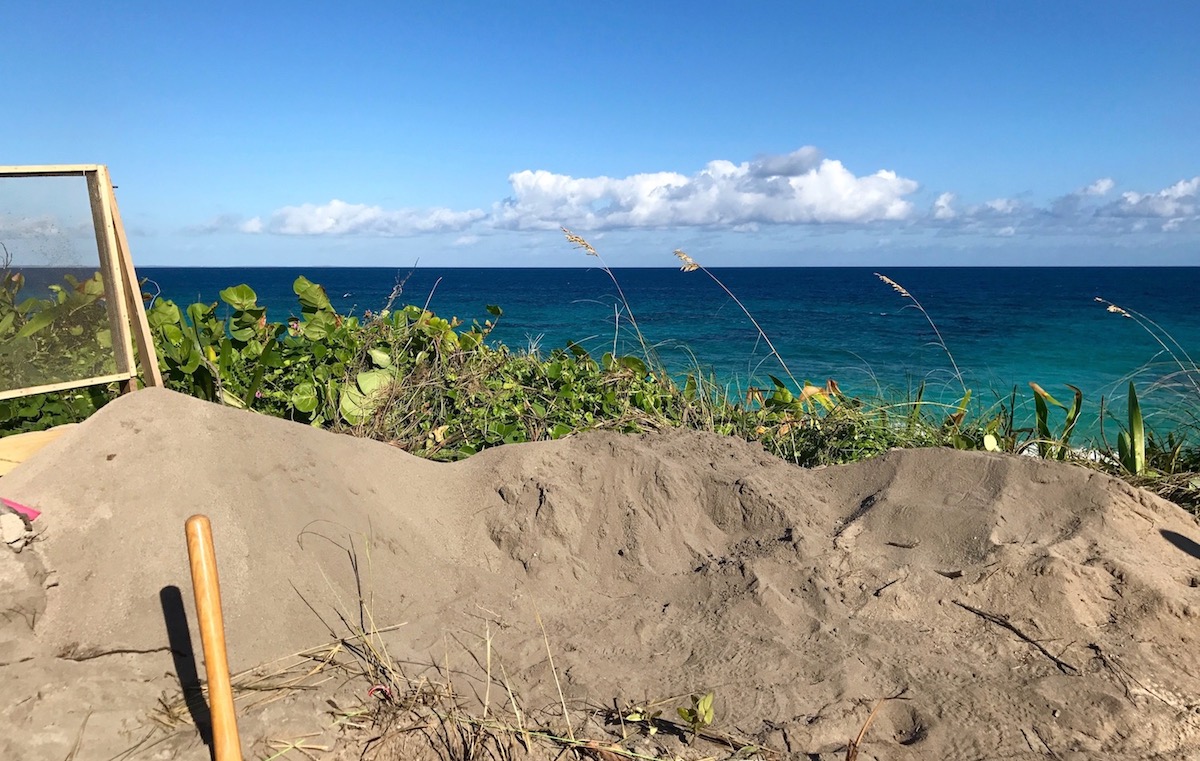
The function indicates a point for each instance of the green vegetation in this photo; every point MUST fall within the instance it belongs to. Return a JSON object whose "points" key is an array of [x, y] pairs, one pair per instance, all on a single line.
{"points": [[1049, 445], [439, 389], [1131, 443], [700, 715], [47, 340]]}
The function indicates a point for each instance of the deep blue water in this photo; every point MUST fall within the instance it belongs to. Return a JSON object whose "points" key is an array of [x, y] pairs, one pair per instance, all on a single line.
{"points": [[1004, 326]]}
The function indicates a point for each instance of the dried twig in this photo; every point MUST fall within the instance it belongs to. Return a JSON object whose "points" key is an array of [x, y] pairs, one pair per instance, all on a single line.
{"points": [[1003, 622]]}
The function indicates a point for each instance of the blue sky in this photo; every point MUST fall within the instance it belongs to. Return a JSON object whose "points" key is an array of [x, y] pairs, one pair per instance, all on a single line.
{"points": [[749, 134]]}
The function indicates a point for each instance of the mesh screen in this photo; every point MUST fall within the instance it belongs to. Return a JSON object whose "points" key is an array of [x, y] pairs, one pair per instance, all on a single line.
{"points": [[55, 322]]}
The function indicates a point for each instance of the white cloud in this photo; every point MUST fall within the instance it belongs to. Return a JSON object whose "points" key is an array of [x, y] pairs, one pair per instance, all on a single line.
{"points": [[796, 188], [1083, 211], [1099, 187], [341, 218], [1003, 205], [943, 207], [1179, 200], [994, 215]]}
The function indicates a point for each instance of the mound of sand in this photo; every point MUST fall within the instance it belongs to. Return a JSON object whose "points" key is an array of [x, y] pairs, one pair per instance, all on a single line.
{"points": [[1014, 608]]}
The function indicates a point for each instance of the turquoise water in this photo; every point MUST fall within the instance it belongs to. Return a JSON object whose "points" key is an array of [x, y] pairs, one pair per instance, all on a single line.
{"points": [[1004, 327]]}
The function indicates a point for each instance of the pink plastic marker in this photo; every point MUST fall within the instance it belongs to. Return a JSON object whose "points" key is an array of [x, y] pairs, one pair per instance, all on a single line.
{"points": [[28, 512]]}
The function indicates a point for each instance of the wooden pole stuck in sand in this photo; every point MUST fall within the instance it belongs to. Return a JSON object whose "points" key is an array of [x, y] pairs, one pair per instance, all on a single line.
{"points": [[226, 746]]}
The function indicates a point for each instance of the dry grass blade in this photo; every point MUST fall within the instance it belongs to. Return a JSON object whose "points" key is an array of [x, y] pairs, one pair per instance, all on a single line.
{"points": [[487, 690], [856, 743], [522, 732], [586, 746], [78, 738], [558, 685], [301, 744], [300, 671]]}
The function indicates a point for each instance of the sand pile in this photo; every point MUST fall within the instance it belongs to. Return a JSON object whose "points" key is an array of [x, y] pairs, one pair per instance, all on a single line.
{"points": [[1013, 608]]}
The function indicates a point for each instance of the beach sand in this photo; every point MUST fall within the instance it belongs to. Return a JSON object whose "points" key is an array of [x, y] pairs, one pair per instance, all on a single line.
{"points": [[1011, 608]]}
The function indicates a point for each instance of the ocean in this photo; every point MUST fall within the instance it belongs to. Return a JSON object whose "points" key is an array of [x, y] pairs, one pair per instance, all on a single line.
{"points": [[1004, 327]]}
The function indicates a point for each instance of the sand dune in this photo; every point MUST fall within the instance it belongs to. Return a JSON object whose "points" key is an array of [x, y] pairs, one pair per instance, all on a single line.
{"points": [[1013, 608]]}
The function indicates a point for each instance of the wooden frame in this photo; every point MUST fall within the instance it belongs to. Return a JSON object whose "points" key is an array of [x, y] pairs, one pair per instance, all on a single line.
{"points": [[123, 298]]}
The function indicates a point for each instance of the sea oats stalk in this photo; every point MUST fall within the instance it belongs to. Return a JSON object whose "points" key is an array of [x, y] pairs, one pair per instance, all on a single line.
{"points": [[1187, 366], [1135, 450], [588, 249], [904, 292], [691, 265]]}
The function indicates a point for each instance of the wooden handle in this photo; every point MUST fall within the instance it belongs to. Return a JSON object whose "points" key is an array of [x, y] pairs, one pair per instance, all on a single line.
{"points": [[207, 587]]}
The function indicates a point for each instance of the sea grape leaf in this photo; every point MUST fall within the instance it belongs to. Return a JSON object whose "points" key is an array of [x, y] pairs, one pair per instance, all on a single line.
{"points": [[311, 295], [304, 397], [240, 297], [380, 358], [373, 380]]}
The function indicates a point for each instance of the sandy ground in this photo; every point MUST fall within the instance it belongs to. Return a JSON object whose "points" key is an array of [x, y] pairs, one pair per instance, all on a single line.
{"points": [[1010, 608]]}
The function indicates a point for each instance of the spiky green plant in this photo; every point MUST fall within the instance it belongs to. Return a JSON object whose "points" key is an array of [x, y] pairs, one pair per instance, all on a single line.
{"points": [[1131, 443], [1049, 445]]}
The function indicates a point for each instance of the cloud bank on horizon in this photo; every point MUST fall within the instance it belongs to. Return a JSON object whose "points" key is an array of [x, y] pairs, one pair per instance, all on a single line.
{"points": [[797, 188], [801, 188]]}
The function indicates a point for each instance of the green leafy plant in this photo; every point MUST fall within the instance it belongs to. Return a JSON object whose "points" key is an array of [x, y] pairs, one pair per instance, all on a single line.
{"points": [[38, 412], [295, 369], [954, 423], [998, 427], [646, 716], [700, 715]]}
